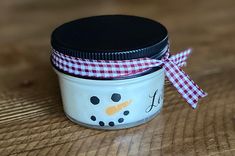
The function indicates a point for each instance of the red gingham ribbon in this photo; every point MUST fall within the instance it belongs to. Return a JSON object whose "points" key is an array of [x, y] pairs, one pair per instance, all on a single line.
{"points": [[190, 91]]}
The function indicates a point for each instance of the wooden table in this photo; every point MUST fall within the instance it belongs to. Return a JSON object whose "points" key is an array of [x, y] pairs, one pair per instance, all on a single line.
{"points": [[31, 115]]}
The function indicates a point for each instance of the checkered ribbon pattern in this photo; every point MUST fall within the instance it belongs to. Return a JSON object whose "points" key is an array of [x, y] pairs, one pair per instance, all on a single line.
{"points": [[172, 64]]}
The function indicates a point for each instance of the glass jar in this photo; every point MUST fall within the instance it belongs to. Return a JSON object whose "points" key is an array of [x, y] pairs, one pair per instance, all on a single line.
{"points": [[116, 102]]}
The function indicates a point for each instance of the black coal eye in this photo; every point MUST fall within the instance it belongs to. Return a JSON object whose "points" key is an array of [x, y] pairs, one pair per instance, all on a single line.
{"points": [[95, 100], [116, 97]]}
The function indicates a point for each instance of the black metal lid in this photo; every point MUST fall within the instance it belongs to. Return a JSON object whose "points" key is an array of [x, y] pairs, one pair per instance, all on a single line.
{"points": [[111, 37]]}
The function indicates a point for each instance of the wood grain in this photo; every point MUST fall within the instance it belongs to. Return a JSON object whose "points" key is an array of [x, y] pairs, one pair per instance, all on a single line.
{"points": [[31, 115]]}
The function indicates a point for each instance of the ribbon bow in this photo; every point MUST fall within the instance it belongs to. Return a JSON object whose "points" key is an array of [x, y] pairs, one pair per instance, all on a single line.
{"points": [[190, 91]]}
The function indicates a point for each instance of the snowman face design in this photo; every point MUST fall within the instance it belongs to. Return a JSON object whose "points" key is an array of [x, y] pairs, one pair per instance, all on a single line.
{"points": [[112, 110]]}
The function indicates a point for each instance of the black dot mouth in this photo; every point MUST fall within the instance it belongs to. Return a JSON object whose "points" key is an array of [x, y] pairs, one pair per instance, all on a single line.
{"points": [[93, 118], [120, 120], [111, 123], [101, 123], [126, 112]]}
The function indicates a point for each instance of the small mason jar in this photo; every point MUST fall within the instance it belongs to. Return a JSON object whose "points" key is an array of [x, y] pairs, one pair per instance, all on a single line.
{"points": [[119, 102]]}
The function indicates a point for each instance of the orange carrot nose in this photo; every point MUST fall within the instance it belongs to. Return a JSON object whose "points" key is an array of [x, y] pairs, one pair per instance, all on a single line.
{"points": [[114, 109]]}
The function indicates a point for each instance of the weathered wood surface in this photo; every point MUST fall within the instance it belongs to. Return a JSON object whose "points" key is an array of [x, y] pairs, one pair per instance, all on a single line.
{"points": [[31, 116]]}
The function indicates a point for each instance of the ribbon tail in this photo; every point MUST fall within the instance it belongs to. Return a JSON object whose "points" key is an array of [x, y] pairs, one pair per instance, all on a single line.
{"points": [[188, 89]]}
